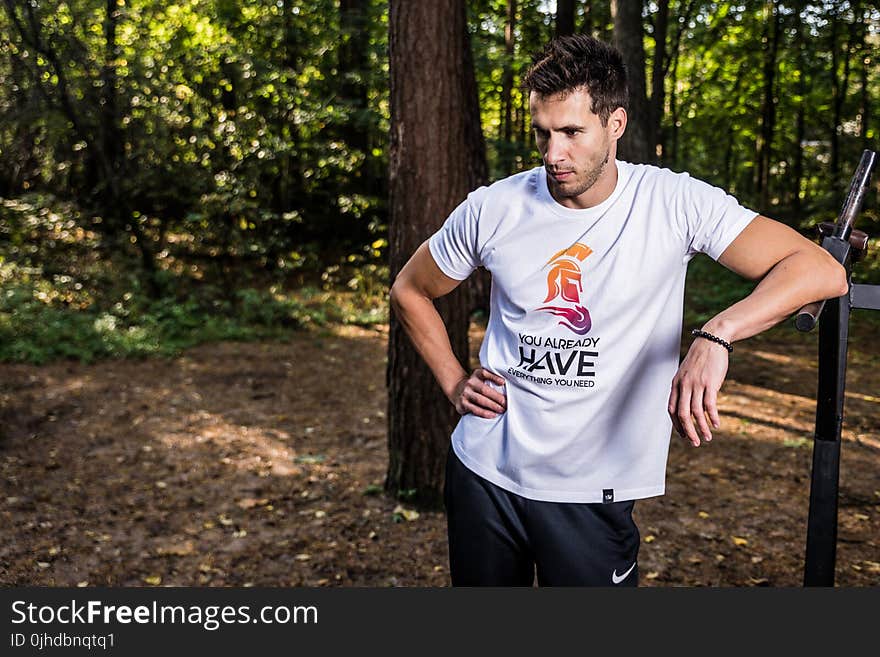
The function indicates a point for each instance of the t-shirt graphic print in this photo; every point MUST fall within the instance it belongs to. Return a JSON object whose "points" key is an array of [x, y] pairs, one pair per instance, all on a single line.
{"points": [[564, 281]]}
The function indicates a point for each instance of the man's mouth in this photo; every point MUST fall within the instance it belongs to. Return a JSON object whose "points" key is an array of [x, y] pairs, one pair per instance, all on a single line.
{"points": [[560, 176]]}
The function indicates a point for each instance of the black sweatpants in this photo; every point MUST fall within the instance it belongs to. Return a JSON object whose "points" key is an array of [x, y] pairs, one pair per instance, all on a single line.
{"points": [[498, 538]]}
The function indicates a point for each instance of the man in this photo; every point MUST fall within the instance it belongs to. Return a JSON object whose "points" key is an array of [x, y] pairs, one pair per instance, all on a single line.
{"points": [[568, 418]]}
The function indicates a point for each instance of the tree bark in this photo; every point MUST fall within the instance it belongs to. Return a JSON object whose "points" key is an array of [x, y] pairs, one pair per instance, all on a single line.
{"points": [[507, 90], [598, 17], [840, 87], [353, 65], [565, 12], [658, 75], [800, 123], [112, 142], [287, 188], [673, 111], [628, 37], [437, 156], [865, 108], [768, 105]]}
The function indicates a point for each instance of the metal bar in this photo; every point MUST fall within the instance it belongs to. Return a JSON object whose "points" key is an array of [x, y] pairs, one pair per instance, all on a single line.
{"points": [[865, 297], [856, 195], [807, 316], [821, 550], [821, 557]]}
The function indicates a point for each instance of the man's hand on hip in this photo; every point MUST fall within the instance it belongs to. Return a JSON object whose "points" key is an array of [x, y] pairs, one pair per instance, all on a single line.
{"points": [[695, 389], [475, 394]]}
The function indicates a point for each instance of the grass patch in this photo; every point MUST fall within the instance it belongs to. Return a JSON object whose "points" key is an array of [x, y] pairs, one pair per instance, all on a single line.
{"points": [[38, 325]]}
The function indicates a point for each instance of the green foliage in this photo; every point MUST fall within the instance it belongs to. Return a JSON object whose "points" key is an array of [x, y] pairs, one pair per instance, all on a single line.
{"points": [[213, 169], [36, 332], [372, 490], [709, 289], [34, 329], [407, 494], [717, 84]]}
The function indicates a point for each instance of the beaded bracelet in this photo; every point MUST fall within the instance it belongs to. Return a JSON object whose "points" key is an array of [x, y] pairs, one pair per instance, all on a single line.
{"points": [[714, 338]]}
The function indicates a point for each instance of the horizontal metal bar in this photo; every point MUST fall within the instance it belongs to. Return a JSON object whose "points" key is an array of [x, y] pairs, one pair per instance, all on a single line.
{"points": [[865, 297]]}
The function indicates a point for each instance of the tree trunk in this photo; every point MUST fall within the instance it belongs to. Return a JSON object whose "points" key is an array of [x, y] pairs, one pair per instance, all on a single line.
{"points": [[800, 124], [117, 200], [598, 17], [628, 37], [437, 156], [353, 64], [658, 76], [565, 12], [507, 90], [865, 109], [111, 141], [522, 112], [287, 188], [768, 106], [840, 87], [673, 111]]}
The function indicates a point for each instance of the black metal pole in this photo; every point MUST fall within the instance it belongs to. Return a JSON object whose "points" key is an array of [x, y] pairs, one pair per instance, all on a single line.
{"points": [[821, 551]]}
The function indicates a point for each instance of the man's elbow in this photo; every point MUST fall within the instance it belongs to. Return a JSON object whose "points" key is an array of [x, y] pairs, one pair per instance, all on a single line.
{"points": [[401, 293], [395, 293], [829, 279]]}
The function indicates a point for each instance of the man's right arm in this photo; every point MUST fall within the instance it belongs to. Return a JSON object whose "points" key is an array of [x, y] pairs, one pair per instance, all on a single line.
{"points": [[412, 294]]}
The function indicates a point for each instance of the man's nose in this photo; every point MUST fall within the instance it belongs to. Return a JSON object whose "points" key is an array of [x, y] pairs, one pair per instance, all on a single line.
{"points": [[555, 152]]}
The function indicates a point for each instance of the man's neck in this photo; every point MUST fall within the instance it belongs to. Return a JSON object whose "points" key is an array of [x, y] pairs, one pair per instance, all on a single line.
{"points": [[599, 192]]}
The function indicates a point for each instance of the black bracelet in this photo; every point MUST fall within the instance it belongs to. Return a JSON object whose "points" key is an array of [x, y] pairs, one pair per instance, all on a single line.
{"points": [[697, 333]]}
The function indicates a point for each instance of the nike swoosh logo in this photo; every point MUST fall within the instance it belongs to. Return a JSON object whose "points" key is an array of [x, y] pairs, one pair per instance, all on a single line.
{"points": [[617, 579]]}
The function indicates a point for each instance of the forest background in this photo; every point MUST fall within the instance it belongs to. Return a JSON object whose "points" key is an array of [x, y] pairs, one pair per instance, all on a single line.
{"points": [[228, 172], [187, 171]]}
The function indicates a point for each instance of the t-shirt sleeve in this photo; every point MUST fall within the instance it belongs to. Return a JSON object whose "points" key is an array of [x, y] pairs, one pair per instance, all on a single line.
{"points": [[712, 218], [454, 247]]}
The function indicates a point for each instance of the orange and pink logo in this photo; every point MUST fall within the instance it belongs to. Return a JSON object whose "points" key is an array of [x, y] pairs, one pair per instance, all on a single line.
{"points": [[564, 281]]}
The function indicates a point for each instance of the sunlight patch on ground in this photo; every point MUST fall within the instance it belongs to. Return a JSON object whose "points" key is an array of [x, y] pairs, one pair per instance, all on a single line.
{"points": [[777, 416], [784, 359], [246, 448], [858, 395]]}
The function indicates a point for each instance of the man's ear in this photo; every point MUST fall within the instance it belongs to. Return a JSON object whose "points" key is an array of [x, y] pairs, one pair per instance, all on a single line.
{"points": [[617, 123]]}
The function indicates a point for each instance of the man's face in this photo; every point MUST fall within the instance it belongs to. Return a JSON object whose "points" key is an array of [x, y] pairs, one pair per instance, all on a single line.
{"points": [[573, 143]]}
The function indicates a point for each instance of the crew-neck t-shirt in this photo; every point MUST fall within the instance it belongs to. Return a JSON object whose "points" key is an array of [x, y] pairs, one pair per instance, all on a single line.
{"points": [[584, 325]]}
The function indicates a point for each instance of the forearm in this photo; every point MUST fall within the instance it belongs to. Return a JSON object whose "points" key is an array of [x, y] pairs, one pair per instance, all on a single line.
{"points": [[793, 282], [426, 330]]}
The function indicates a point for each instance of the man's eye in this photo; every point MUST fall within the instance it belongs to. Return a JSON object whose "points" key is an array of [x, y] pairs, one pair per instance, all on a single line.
{"points": [[571, 133]]}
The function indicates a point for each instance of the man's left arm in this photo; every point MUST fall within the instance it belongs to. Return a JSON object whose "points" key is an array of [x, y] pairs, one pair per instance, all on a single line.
{"points": [[793, 271]]}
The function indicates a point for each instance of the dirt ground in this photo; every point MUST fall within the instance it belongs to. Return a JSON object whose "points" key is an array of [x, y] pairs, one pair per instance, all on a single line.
{"points": [[235, 464]]}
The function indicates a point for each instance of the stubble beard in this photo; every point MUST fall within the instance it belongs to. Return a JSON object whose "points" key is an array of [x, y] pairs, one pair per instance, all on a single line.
{"points": [[589, 179]]}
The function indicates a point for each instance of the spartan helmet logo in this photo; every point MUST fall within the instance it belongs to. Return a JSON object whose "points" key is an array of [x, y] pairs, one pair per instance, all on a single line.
{"points": [[564, 282]]}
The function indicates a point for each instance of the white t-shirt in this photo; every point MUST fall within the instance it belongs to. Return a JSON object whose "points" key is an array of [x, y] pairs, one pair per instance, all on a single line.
{"points": [[584, 325]]}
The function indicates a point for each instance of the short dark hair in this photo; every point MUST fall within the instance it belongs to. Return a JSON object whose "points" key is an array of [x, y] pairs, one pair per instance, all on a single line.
{"points": [[579, 61]]}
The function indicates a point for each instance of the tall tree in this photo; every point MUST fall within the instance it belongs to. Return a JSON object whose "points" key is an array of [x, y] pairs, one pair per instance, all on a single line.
{"points": [[865, 96], [801, 116], [565, 13], [597, 19], [99, 130], [658, 77], [635, 145], [437, 157], [840, 87], [353, 49], [507, 89], [768, 104]]}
